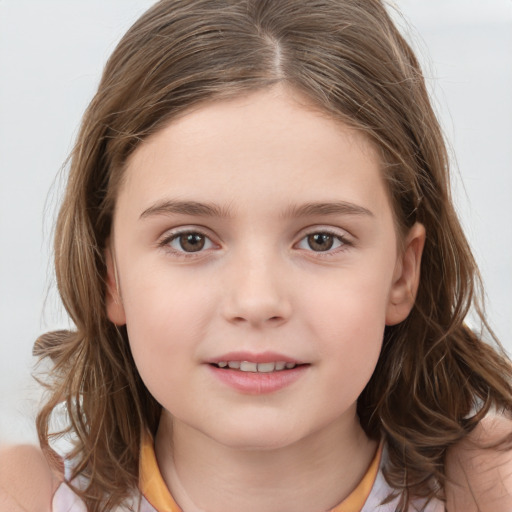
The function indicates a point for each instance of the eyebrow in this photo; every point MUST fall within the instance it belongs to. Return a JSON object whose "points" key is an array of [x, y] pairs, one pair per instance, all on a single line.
{"points": [[198, 209], [193, 208], [327, 208]]}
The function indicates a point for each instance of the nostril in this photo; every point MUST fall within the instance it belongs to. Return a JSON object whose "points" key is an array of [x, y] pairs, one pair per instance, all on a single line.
{"points": [[246, 309]]}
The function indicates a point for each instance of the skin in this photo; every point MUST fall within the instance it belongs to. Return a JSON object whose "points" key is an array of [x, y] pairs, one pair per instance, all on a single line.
{"points": [[26, 481], [481, 480], [258, 285]]}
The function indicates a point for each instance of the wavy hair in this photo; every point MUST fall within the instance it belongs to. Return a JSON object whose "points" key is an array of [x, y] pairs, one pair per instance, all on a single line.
{"points": [[349, 59]]}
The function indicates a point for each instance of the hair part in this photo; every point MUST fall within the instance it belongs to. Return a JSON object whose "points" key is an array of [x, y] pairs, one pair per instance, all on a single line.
{"points": [[349, 59]]}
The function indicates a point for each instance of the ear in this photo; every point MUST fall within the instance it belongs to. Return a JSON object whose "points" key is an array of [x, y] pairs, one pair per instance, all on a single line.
{"points": [[406, 278], [114, 303]]}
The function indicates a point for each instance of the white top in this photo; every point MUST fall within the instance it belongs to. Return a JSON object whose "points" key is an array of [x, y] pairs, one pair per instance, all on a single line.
{"points": [[65, 500]]}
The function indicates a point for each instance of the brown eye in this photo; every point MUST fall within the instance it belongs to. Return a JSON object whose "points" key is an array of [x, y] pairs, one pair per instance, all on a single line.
{"points": [[191, 242], [326, 242], [188, 242], [320, 241]]}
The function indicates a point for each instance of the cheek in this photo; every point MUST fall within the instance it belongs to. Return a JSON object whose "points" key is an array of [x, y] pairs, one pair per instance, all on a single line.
{"points": [[351, 304], [347, 320], [166, 319], [158, 300]]}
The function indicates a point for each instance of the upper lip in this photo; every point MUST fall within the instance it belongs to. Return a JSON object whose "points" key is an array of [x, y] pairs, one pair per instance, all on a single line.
{"points": [[255, 357]]}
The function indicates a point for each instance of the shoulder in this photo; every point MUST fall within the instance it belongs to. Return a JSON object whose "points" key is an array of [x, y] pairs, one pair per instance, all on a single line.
{"points": [[479, 479], [26, 481]]}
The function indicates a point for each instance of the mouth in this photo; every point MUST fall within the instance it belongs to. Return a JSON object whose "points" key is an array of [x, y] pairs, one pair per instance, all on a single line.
{"points": [[252, 367], [261, 374]]}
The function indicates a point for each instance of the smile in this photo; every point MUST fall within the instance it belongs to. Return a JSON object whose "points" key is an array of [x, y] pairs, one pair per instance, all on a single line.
{"points": [[248, 366], [252, 378]]}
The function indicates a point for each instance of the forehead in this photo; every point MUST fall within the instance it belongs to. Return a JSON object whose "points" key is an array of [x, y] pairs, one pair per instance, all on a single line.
{"points": [[268, 141]]}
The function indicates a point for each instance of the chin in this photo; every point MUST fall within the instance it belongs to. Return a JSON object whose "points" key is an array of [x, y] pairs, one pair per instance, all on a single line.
{"points": [[256, 437]]}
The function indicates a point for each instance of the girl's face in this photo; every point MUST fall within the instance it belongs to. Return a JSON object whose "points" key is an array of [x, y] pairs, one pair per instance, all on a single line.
{"points": [[250, 235]]}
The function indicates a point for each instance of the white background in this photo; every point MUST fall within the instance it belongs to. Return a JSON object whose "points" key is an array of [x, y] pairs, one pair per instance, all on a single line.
{"points": [[51, 56]]}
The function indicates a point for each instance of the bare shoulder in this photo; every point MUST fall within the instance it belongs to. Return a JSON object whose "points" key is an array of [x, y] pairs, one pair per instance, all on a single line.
{"points": [[480, 479], [26, 481]]}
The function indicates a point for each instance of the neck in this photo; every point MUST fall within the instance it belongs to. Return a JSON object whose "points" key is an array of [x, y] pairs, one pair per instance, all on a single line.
{"points": [[315, 473]]}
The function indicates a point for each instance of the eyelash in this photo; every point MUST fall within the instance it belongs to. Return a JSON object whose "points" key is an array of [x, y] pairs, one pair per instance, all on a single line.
{"points": [[171, 237], [344, 242]]}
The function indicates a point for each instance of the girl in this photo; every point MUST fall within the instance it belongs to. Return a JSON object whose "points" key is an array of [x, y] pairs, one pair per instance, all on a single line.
{"points": [[268, 279]]}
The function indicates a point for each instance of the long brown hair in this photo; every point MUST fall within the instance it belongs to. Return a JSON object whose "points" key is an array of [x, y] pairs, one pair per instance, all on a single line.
{"points": [[348, 57]]}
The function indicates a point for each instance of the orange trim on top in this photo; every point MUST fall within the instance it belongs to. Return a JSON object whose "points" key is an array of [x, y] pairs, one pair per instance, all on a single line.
{"points": [[151, 483], [355, 501], [153, 488]]}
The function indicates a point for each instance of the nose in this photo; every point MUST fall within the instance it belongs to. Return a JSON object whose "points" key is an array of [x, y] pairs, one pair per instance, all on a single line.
{"points": [[256, 293]]}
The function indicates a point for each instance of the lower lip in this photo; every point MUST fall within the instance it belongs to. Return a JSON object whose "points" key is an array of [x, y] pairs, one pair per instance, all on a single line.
{"points": [[256, 383]]}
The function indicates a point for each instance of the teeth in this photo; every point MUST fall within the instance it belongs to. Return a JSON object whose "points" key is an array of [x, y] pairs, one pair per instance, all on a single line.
{"points": [[266, 367], [248, 366]]}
